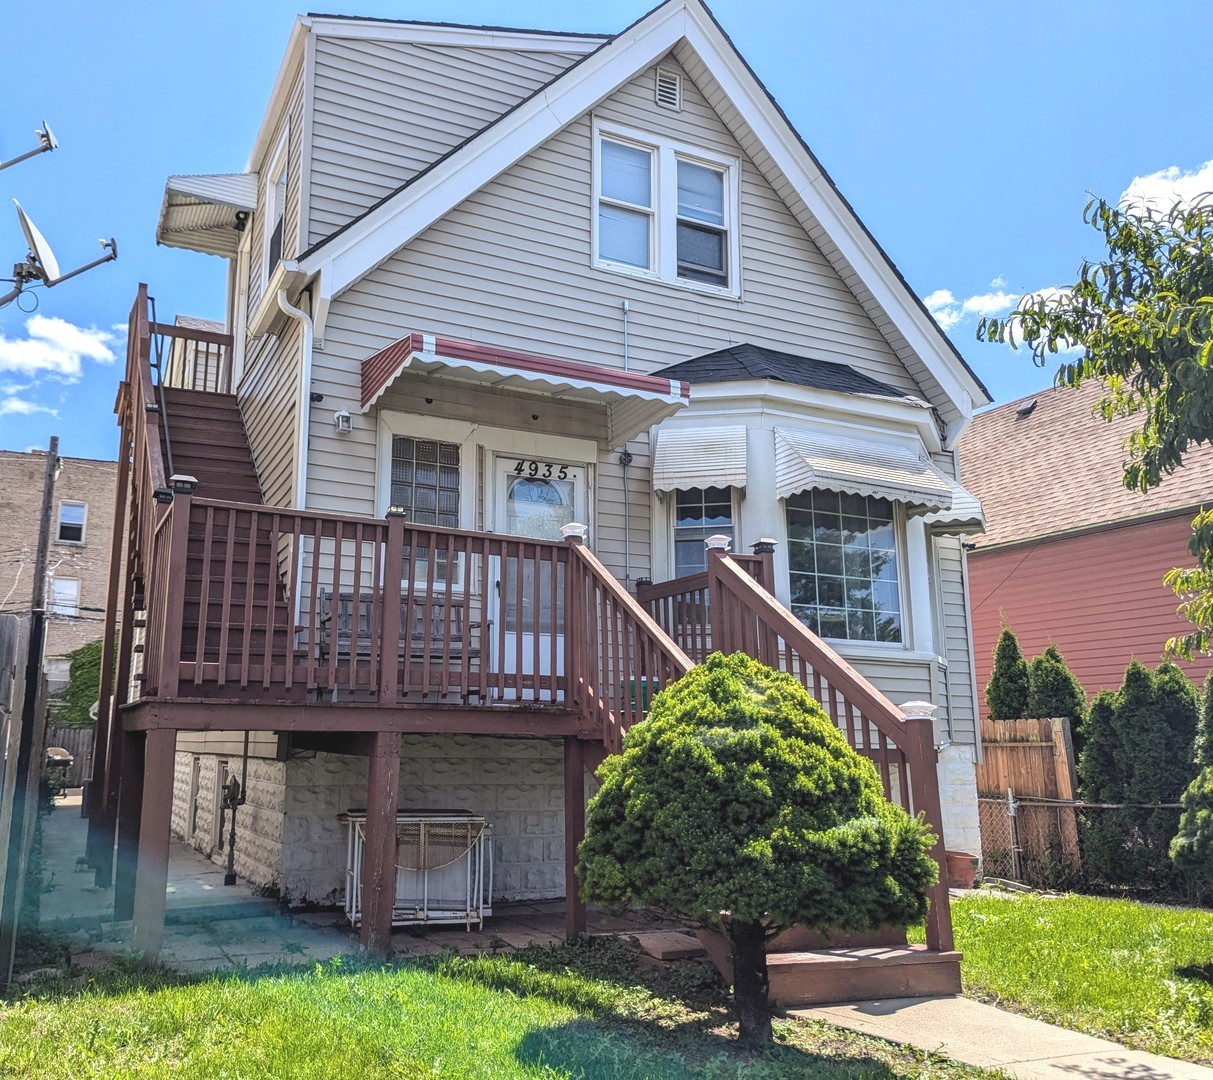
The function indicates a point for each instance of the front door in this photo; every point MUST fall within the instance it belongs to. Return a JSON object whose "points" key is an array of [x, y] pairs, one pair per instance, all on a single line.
{"points": [[535, 498]]}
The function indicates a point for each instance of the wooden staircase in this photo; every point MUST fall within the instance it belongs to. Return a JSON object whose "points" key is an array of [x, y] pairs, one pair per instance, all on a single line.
{"points": [[807, 968], [231, 569], [206, 439]]}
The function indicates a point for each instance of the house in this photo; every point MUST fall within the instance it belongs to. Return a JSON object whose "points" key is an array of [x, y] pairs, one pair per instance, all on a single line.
{"points": [[1070, 555], [78, 555], [522, 323]]}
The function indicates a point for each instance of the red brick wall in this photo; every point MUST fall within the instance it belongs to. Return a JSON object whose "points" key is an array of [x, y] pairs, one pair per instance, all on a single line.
{"points": [[1099, 597]]}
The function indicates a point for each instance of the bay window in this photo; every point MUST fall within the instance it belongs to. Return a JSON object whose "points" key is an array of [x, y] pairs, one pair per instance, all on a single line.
{"points": [[843, 565]]}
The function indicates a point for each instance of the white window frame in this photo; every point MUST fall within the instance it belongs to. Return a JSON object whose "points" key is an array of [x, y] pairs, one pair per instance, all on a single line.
{"points": [[59, 605], [663, 238], [83, 523], [734, 523], [278, 164]]}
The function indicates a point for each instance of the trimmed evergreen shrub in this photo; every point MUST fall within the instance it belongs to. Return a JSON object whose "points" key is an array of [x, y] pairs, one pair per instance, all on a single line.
{"points": [[1007, 690], [1138, 752], [738, 795], [1192, 848], [1202, 751], [1053, 690]]}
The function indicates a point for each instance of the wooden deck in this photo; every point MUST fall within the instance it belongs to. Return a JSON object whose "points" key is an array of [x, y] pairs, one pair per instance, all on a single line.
{"points": [[227, 614]]}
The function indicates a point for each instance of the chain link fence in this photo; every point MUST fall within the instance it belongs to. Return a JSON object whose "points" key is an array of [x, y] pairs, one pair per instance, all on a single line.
{"points": [[1088, 847]]}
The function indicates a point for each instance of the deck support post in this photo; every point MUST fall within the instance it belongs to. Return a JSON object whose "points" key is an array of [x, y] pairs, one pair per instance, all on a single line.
{"points": [[379, 847], [924, 797], [155, 817], [130, 747], [574, 833]]}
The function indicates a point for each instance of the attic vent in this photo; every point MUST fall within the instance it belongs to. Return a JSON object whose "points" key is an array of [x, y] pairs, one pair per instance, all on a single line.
{"points": [[669, 89], [1026, 409]]}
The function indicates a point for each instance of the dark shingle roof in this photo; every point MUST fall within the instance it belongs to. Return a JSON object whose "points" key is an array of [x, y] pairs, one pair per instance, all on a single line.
{"points": [[748, 361]]}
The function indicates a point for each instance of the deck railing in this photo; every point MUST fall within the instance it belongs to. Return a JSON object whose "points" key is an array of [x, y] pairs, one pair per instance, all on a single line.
{"points": [[260, 603], [619, 656], [727, 609]]}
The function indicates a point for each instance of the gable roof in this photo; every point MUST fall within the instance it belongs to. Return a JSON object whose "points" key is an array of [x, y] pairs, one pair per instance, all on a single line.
{"points": [[747, 361], [688, 28], [1045, 466]]}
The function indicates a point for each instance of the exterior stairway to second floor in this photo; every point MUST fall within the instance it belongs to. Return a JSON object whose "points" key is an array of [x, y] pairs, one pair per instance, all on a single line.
{"points": [[206, 439]]}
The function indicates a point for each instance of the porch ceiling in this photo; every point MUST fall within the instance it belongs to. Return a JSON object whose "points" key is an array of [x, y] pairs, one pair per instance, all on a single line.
{"points": [[633, 403], [805, 460], [199, 212]]}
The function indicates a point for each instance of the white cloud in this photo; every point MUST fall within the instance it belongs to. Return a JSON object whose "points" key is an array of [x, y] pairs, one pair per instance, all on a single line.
{"points": [[55, 348], [942, 305], [994, 303], [16, 406], [1162, 189]]}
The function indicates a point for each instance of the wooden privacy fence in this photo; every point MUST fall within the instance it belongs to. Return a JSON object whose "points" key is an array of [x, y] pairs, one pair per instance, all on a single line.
{"points": [[1025, 781]]}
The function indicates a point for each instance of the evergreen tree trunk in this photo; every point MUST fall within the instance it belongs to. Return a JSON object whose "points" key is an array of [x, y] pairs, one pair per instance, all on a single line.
{"points": [[751, 1003]]}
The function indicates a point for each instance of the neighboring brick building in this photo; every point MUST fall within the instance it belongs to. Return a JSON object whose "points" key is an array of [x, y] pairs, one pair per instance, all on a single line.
{"points": [[1069, 554], [82, 524]]}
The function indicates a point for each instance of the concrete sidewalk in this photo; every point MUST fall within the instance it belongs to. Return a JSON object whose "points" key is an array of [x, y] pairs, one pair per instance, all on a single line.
{"points": [[978, 1034]]}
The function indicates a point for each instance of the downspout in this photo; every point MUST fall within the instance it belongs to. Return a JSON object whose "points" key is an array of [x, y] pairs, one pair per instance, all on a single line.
{"points": [[305, 396]]}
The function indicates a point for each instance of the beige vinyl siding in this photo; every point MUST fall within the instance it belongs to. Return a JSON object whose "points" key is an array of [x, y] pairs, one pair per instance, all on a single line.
{"points": [[746, 137], [899, 680], [956, 646], [269, 403], [511, 267], [383, 110], [292, 123]]}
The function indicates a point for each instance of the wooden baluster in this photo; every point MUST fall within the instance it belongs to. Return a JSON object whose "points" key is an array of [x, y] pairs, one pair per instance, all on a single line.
{"points": [[225, 617], [250, 585], [204, 601], [389, 614]]}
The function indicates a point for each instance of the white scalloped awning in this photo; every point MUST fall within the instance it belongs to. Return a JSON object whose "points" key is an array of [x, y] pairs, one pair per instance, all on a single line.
{"points": [[699, 457], [964, 516], [805, 460], [199, 212], [633, 403]]}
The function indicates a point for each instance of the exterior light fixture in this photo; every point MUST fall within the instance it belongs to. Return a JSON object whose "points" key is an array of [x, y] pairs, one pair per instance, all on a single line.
{"points": [[342, 422], [395, 510], [183, 484], [164, 496], [574, 530], [718, 542]]}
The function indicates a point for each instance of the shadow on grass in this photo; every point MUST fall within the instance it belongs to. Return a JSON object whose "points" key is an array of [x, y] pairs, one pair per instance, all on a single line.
{"points": [[617, 1050], [1199, 972]]}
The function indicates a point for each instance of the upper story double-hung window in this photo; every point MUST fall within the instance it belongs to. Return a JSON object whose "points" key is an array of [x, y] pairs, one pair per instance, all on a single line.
{"points": [[665, 211]]}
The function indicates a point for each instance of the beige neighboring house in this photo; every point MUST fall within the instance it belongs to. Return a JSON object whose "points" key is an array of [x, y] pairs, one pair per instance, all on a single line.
{"points": [[82, 525]]}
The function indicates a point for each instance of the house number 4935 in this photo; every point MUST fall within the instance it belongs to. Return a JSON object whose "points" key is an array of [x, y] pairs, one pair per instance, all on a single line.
{"points": [[543, 470]]}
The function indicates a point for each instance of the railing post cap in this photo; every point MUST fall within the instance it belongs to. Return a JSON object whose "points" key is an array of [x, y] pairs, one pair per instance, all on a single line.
{"points": [[718, 542], [918, 710], [764, 545], [182, 483], [394, 511], [574, 531]]}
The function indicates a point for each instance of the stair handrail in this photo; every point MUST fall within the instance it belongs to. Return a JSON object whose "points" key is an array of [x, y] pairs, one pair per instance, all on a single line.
{"points": [[913, 736], [616, 654]]}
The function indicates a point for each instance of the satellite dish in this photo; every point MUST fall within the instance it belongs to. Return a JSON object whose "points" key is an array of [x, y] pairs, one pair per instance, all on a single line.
{"points": [[41, 256], [46, 141], [40, 264]]}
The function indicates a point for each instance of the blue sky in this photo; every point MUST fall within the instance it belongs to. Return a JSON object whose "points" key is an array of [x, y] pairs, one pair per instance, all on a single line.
{"points": [[965, 135]]}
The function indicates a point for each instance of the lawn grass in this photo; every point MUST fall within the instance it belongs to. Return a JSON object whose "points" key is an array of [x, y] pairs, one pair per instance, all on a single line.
{"points": [[1141, 974], [580, 1011]]}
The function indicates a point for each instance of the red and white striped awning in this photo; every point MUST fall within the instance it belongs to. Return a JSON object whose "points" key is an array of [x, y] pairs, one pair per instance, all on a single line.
{"points": [[634, 403]]}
